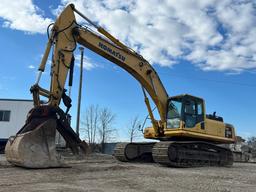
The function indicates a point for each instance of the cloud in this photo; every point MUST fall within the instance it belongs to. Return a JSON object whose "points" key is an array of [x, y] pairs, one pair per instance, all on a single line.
{"points": [[23, 15], [31, 67], [87, 64], [211, 34]]}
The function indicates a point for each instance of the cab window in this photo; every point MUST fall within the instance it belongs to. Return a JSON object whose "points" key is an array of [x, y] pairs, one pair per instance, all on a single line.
{"points": [[190, 113], [174, 113], [200, 115], [193, 112]]}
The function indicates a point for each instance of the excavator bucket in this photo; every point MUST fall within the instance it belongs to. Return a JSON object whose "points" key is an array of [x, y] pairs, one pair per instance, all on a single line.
{"points": [[34, 149], [34, 145]]}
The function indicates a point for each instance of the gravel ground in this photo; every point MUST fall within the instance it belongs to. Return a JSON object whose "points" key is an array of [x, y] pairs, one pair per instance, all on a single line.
{"points": [[100, 173]]}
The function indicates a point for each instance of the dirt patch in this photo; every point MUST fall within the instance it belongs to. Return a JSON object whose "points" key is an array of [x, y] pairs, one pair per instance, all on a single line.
{"points": [[98, 173]]}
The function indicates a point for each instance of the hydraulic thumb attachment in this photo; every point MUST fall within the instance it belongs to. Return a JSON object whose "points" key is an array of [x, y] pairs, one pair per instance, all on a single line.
{"points": [[34, 145]]}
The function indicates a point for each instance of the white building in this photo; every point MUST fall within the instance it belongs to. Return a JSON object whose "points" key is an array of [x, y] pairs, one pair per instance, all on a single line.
{"points": [[13, 113]]}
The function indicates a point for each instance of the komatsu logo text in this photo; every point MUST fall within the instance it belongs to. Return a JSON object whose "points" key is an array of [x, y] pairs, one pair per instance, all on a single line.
{"points": [[111, 51]]}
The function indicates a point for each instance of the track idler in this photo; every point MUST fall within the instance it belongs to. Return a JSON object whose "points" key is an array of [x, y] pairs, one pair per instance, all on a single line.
{"points": [[34, 145]]}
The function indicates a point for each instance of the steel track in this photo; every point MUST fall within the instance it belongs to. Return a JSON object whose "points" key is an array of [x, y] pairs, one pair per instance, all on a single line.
{"points": [[175, 153]]}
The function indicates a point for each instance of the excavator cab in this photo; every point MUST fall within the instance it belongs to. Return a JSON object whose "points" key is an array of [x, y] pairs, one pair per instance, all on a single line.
{"points": [[185, 111]]}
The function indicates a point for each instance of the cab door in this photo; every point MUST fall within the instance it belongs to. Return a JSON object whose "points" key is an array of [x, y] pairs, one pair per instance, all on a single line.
{"points": [[194, 115]]}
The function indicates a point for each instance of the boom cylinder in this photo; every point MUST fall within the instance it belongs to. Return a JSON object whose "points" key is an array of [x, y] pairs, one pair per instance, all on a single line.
{"points": [[46, 55]]}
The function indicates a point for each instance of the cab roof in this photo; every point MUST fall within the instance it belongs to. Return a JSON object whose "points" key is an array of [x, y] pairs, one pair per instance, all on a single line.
{"points": [[186, 95]]}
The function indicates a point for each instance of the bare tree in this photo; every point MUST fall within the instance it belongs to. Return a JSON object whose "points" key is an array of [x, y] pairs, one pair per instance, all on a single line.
{"points": [[134, 128], [106, 130], [90, 124], [252, 142]]}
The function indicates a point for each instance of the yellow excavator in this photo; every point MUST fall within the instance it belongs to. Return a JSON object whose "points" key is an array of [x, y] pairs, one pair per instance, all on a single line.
{"points": [[187, 136]]}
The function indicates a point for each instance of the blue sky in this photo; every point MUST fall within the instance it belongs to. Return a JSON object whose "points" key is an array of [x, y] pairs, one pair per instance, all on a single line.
{"points": [[204, 48]]}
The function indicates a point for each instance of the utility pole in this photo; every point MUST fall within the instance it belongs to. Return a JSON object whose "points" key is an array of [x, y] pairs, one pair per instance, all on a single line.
{"points": [[80, 91]]}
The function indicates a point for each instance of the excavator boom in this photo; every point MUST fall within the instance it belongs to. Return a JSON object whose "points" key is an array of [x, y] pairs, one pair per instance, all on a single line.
{"points": [[66, 33]]}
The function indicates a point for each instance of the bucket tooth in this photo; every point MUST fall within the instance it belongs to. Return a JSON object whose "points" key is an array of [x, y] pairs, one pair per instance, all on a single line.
{"points": [[35, 148]]}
